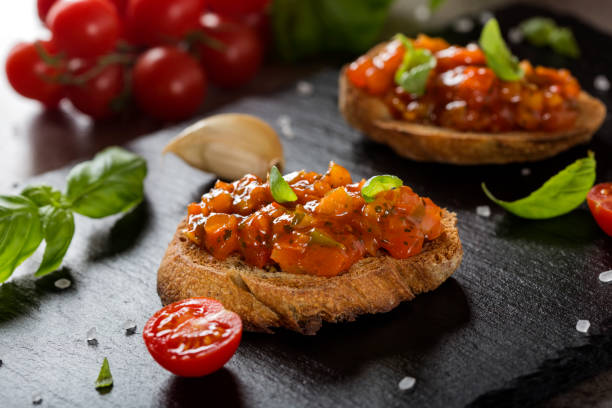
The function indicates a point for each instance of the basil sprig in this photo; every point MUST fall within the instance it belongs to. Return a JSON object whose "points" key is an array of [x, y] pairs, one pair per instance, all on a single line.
{"points": [[105, 378], [280, 189], [415, 67], [541, 31], [110, 183], [378, 184], [499, 58], [562, 193]]}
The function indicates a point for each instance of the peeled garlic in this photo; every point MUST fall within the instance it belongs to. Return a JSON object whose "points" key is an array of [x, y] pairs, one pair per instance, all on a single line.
{"points": [[229, 145]]}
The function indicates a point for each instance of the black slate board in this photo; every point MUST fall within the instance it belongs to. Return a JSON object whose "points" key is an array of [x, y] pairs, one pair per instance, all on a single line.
{"points": [[501, 332]]}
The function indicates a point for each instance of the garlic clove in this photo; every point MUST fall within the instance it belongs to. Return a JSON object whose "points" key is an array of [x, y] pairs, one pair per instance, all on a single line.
{"points": [[229, 145]]}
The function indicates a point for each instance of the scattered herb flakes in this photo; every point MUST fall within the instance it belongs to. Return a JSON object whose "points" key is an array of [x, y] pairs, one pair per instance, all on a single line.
{"points": [[105, 378]]}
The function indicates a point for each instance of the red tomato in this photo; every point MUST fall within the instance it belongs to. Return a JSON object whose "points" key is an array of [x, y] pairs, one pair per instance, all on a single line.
{"points": [[237, 7], [84, 28], [95, 96], [168, 83], [43, 8], [240, 57], [120, 5], [193, 337], [30, 76], [599, 200], [154, 22]]}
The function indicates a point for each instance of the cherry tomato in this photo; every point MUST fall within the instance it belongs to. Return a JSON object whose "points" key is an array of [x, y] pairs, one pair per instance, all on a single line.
{"points": [[154, 22], [599, 200], [121, 6], [193, 337], [43, 8], [84, 28], [237, 7], [168, 83], [237, 58], [32, 77], [95, 96]]}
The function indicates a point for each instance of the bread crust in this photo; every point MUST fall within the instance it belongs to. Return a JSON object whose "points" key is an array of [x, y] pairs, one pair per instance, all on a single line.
{"points": [[266, 300], [437, 144]]}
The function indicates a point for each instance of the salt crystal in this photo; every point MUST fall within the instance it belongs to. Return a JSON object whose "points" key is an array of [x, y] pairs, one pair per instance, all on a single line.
{"points": [[606, 276], [463, 25], [62, 283], [91, 337], [601, 83], [485, 16], [304, 88], [483, 210], [407, 383], [284, 122], [37, 399], [422, 13], [525, 171], [583, 326], [129, 327], [515, 35]]}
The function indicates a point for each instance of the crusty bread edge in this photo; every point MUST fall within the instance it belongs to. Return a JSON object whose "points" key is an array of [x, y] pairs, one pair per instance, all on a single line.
{"points": [[437, 144], [267, 300]]}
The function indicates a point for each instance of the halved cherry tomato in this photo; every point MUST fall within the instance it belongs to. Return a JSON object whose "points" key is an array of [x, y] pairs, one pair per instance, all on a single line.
{"points": [[599, 200], [193, 337]]}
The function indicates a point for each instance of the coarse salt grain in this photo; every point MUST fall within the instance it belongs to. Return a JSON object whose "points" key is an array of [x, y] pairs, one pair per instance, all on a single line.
{"points": [[304, 88], [483, 210], [37, 399], [62, 283], [515, 35], [601, 83], [583, 326], [407, 383], [485, 16], [463, 25], [422, 13], [606, 276], [91, 337], [284, 122], [525, 171]]}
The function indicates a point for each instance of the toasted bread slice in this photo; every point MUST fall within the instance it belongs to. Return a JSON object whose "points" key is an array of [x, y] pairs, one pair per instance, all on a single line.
{"points": [[265, 300], [437, 144]]}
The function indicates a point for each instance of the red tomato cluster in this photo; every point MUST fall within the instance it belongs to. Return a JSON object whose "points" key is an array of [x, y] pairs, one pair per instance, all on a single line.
{"points": [[161, 53]]}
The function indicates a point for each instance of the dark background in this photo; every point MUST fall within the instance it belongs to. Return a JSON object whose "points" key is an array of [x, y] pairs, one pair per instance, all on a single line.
{"points": [[500, 332]]}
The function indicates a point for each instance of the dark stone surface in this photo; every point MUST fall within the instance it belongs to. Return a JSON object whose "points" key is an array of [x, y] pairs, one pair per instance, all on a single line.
{"points": [[501, 332]]}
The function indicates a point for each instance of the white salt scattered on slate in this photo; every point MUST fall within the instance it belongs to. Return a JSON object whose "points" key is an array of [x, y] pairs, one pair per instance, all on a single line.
{"points": [[606, 276], [422, 13], [583, 326], [304, 88], [601, 83], [284, 122], [62, 283], [129, 327], [515, 35], [407, 383], [37, 399], [485, 16], [463, 25], [91, 337], [525, 171], [483, 210]]}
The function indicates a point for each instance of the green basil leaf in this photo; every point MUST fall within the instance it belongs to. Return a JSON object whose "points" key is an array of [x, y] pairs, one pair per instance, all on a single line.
{"points": [[414, 70], [559, 195], [110, 183], [537, 30], [20, 232], [321, 238], [378, 184], [435, 4], [499, 58], [58, 229], [563, 42], [43, 195], [105, 378], [310, 28], [280, 189]]}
